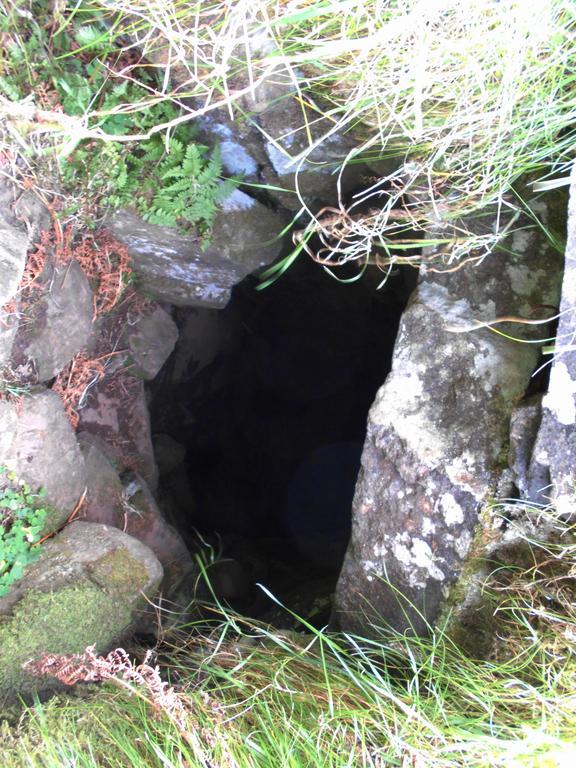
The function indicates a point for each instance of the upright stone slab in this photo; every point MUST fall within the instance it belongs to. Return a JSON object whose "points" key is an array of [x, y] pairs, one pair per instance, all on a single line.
{"points": [[553, 466], [437, 433]]}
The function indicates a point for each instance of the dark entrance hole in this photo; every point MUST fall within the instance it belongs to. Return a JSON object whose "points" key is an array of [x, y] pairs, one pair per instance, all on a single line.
{"points": [[259, 418]]}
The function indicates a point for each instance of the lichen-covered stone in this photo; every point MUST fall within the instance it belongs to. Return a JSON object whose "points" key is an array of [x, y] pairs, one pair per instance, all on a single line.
{"points": [[45, 454], [61, 323], [88, 587], [554, 454], [437, 436]]}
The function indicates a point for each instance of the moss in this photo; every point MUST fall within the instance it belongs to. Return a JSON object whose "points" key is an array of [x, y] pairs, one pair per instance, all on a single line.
{"points": [[63, 621], [467, 616], [53, 520], [118, 571]]}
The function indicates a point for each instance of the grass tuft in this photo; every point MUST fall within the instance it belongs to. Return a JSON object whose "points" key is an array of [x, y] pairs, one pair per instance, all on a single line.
{"points": [[252, 696]]}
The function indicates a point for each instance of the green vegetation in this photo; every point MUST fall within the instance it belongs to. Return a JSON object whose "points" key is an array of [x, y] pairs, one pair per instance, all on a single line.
{"points": [[71, 65], [56, 621], [460, 99], [21, 524], [249, 696]]}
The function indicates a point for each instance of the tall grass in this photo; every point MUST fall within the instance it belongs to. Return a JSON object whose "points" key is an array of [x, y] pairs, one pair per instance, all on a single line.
{"points": [[465, 96], [258, 697]]}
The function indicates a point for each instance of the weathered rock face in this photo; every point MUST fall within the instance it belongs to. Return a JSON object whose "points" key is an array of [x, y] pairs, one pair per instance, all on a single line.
{"points": [[62, 322], [144, 520], [552, 470], [23, 218], [41, 448], [149, 341], [103, 501], [117, 413], [88, 587], [176, 269], [13, 247], [438, 434]]}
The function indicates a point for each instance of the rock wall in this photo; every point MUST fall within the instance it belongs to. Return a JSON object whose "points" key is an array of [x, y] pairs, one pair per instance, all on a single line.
{"points": [[552, 468], [438, 432]]}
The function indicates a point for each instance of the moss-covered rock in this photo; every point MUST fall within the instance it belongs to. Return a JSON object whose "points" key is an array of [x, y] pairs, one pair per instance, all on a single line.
{"points": [[88, 588]]}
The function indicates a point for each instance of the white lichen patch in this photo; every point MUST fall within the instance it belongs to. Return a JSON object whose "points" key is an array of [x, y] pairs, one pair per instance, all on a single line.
{"points": [[403, 406], [451, 510], [372, 569], [561, 397], [418, 560], [521, 242], [428, 526], [237, 201], [524, 280], [236, 159], [282, 162], [463, 473], [487, 364], [438, 299], [462, 543]]}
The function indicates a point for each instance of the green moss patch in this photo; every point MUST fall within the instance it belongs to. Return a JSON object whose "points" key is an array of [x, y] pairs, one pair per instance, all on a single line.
{"points": [[63, 621]]}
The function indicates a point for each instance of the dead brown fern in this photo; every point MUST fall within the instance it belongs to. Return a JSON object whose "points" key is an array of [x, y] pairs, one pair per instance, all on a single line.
{"points": [[104, 261], [140, 679], [74, 382]]}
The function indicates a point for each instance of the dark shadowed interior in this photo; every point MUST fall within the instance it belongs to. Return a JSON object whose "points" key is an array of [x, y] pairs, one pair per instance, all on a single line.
{"points": [[269, 399]]}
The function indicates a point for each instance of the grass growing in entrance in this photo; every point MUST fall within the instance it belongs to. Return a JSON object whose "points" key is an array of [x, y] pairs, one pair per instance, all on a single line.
{"points": [[248, 696]]}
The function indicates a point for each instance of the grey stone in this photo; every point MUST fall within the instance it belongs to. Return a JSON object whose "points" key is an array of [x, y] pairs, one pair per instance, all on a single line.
{"points": [[437, 435], [150, 341], [13, 247], [89, 587], [8, 427], [63, 321], [45, 454], [103, 503], [554, 456], [169, 453], [144, 520], [175, 268], [116, 412]]}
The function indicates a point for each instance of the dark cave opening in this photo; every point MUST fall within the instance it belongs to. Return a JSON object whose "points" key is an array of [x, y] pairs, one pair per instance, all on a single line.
{"points": [[259, 418]]}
